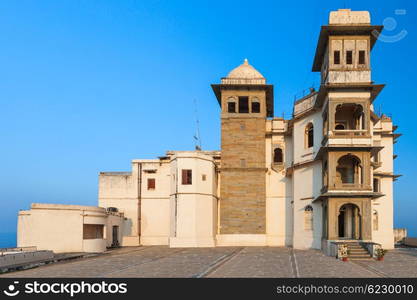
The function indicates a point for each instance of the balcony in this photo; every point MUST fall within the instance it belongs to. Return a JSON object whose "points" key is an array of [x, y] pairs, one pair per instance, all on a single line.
{"points": [[347, 137], [337, 187], [349, 133]]}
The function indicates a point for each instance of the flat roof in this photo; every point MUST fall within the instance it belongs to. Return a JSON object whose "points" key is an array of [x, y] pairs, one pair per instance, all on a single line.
{"points": [[66, 207]]}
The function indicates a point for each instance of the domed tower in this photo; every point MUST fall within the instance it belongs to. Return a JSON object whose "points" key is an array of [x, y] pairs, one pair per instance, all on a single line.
{"points": [[246, 101]]}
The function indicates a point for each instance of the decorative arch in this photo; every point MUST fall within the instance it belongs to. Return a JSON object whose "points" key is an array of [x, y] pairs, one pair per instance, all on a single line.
{"points": [[349, 221], [255, 105], [308, 217], [231, 105], [349, 116], [278, 156], [349, 170], [309, 135]]}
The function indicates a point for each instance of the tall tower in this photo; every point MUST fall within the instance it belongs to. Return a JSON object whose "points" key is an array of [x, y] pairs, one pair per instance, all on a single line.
{"points": [[348, 148], [246, 101]]}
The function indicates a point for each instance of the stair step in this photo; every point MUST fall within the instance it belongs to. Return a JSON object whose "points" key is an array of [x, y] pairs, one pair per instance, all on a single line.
{"points": [[357, 252]]}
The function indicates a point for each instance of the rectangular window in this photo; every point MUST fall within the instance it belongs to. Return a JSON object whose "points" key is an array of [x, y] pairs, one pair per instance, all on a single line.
{"points": [[256, 107], [349, 57], [151, 183], [243, 105], [231, 107], [187, 177], [204, 177], [376, 185], [308, 220], [361, 57], [336, 57], [92, 231]]}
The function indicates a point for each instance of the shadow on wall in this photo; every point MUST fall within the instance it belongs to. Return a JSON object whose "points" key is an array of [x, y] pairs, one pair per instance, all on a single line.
{"points": [[289, 221], [317, 215], [317, 181]]}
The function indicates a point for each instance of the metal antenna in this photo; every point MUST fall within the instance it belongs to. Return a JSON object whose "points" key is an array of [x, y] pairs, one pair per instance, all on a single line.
{"points": [[197, 136]]}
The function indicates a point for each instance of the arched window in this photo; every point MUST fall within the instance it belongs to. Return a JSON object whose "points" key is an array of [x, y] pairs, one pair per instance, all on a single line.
{"points": [[339, 127], [308, 217], [231, 105], [376, 185], [349, 169], [278, 158], [255, 106], [375, 220], [309, 135]]}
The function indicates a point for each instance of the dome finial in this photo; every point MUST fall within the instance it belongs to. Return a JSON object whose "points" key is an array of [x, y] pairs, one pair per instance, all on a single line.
{"points": [[245, 61]]}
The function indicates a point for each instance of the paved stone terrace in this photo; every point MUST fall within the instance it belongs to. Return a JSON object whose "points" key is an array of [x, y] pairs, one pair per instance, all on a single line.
{"points": [[161, 261]]}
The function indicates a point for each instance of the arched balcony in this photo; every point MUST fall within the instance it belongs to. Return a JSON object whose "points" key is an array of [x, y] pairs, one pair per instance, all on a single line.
{"points": [[350, 120], [349, 172]]}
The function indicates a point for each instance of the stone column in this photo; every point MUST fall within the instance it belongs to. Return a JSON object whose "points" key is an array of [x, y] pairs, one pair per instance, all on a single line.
{"points": [[366, 219], [332, 220]]}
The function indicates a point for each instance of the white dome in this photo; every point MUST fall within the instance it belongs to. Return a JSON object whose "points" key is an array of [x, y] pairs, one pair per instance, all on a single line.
{"points": [[245, 71], [244, 74]]}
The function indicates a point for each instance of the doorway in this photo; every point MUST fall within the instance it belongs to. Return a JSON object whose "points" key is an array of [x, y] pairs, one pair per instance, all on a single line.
{"points": [[349, 222], [115, 236]]}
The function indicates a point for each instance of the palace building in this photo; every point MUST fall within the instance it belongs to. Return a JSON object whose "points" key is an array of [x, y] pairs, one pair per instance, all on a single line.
{"points": [[323, 177]]}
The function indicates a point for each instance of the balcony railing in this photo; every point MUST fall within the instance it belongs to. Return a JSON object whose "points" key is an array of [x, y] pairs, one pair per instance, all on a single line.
{"points": [[349, 133], [346, 187], [349, 186]]}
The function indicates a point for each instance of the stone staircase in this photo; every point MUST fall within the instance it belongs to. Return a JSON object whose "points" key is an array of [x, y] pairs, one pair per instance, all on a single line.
{"points": [[357, 252]]}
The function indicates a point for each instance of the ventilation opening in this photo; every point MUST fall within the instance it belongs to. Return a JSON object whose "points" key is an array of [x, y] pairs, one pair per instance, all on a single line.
{"points": [[361, 57], [336, 57], [349, 57]]}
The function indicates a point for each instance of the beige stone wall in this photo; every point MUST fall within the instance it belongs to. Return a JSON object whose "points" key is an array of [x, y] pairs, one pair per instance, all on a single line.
{"points": [[242, 208], [243, 139], [193, 206], [121, 190], [242, 192], [154, 203], [278, 186]]}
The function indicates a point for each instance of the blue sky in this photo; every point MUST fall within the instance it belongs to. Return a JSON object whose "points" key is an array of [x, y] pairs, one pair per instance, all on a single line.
{"points": [[86, 86]]}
